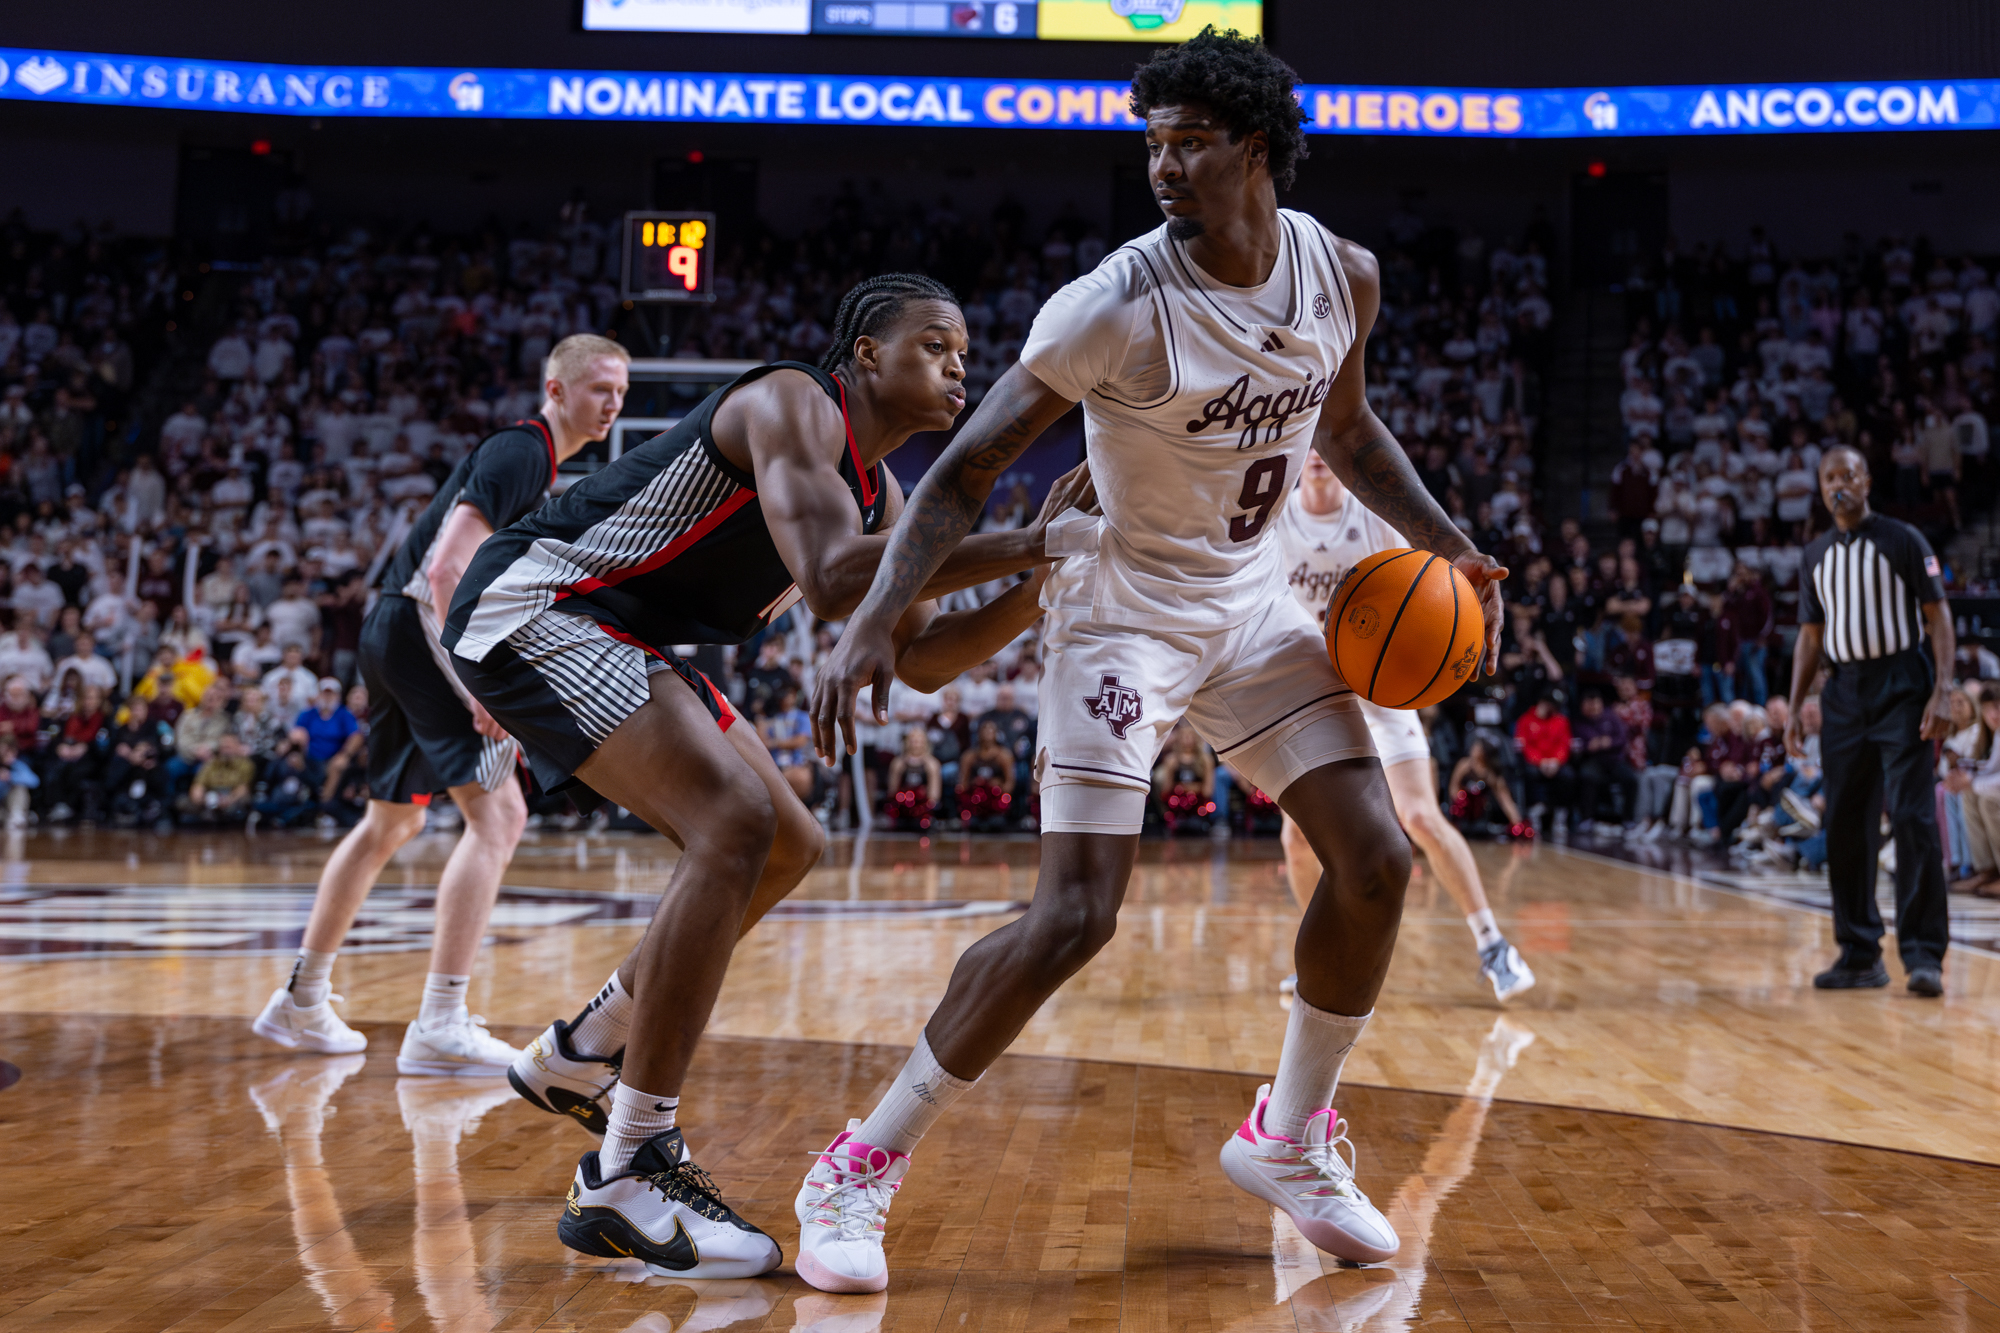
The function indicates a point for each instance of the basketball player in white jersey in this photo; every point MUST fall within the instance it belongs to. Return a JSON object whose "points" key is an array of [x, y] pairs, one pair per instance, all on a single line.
{"points": [[1323, 531], [1210, 357]]}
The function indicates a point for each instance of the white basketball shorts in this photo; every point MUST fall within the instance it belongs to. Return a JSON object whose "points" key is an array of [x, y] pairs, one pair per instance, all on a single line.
{"points": [[1398, 733], [1262, 693]]}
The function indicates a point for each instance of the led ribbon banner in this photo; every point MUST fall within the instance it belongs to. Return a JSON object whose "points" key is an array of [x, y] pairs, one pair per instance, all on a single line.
{"points": [[781, 99]]}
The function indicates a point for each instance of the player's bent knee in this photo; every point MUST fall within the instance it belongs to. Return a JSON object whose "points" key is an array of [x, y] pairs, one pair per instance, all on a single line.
{"points": [[743, 824], [1069, 929], [1427, 825], [801, 843], [1376, 870]]}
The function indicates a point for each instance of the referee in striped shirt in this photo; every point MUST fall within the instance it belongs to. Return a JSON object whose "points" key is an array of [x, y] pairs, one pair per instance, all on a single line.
{"points": [[1869, 597]]}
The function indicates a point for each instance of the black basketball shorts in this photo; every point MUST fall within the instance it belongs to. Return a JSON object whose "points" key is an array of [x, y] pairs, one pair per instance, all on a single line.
{"points": [[421, 739], [562, 683]]}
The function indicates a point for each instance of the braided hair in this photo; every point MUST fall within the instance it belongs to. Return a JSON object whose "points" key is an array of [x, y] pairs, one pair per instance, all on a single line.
{"points": [[873, 306]]}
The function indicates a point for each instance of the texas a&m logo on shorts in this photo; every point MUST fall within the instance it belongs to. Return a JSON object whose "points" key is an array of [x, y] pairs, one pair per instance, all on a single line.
{"points": [[1116, 704]]}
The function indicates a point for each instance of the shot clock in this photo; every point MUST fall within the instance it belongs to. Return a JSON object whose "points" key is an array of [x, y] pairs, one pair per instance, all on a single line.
{"points": [[668, 256]]}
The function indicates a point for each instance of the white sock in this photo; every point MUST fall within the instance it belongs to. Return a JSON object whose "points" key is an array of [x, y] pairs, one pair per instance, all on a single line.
{"points": [[1316, 1046], [1485, 931], [635, 1117], [916, 1099], [444, 998], [312, 978], [600, 1029]]}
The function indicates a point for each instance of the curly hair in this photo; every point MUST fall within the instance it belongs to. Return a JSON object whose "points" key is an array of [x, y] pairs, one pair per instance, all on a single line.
{"points": [[873, 306], [1236, 77]]}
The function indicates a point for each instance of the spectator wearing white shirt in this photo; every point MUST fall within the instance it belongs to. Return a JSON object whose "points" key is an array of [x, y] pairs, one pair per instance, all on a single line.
{"points": [[290, 678], [273, 357], [257, 656], [22, 654], [182, 432], [233, 492], [230, 359], [36, 597], [146, 493], [294, 619], [83, 659]]}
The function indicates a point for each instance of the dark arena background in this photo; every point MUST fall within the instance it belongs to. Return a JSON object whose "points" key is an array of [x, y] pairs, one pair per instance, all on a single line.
{"points": [[269, 273]]}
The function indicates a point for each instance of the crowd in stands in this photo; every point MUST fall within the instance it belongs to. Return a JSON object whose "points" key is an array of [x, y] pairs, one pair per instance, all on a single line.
{"points": [[1644, 676], [190, 519]]}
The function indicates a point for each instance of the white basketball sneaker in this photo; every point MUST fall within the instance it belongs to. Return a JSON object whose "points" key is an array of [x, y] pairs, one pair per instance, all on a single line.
{"points": [[664, 1211], [843, 1209], [1501, 964], [312, 1027], [459, 1046], [553, 1075], [1310, 1181]]}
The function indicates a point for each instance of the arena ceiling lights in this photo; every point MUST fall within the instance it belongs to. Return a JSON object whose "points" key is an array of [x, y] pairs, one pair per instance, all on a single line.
{"points": [[790, 99]]}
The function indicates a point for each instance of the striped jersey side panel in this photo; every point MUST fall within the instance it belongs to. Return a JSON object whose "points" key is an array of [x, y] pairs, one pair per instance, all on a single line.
{"points": [[669, 505]]}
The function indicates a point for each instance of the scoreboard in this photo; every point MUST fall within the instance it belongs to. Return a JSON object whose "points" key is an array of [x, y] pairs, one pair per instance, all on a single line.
{"points": [[1048, 20], [668, 257]]}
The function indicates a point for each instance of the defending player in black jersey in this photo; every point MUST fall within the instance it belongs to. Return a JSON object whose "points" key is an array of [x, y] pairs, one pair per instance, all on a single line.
{"points": [[770, 492], [427, 735]]}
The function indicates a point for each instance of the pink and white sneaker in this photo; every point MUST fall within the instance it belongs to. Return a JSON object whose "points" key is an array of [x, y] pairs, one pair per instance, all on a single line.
{"points": [[842, 1210], [1311, 1182]]}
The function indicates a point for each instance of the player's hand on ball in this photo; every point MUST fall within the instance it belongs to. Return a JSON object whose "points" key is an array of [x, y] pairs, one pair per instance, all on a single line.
{"points": [[1485, 573], [860, 660]]}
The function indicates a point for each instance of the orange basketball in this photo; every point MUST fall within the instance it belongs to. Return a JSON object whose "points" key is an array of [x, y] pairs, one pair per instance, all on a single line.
{"points": [[1404, 629]]}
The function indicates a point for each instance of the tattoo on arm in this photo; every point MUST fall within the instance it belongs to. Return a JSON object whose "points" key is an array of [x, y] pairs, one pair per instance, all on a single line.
{"points": [[945, 506], [1375, 467]]}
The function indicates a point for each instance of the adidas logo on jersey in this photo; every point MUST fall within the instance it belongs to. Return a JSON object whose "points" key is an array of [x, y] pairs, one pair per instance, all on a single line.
{"points": [[1273, 344], [1266, 411]]}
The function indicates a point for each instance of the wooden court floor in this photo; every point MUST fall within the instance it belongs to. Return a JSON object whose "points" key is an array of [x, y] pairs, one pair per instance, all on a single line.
{"points": [[1672, 1131]]}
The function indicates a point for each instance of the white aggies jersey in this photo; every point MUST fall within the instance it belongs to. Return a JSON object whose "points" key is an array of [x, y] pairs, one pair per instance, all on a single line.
{"points": [[1319, 549], [1199, 403]]}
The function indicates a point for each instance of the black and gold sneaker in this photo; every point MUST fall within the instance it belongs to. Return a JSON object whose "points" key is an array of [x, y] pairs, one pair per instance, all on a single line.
{"points": [[664, 1211], [553, 1075]]}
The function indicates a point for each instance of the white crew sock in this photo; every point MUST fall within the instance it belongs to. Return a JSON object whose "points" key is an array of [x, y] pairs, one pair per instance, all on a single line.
{"points": [[916, 1099], [312, 978], [1316, 1046], [1485, 930], [444, 998], [635, 1117], [600, 1029]]}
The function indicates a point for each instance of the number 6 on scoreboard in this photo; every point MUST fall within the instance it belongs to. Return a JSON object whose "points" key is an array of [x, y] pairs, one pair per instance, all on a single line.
{"points": [[1263, 488]]}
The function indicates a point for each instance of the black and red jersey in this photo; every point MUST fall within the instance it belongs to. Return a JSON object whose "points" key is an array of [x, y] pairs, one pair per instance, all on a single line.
{"points": [[666, 545], [504, 477]]}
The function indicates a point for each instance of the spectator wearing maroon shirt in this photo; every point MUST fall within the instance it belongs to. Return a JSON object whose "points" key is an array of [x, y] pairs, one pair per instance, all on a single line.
{"points": [[1634, 488], [20, 719], [1598, 751], [1543, 738], [1731, 758], [1746, 618], [1768, 777]]}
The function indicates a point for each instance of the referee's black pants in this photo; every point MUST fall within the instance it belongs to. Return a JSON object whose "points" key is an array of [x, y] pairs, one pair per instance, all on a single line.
{"points": [[1871, 751]]}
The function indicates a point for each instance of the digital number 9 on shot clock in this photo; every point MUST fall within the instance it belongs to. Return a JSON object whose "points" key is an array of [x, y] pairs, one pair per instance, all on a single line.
{"points": [[683, 242]]}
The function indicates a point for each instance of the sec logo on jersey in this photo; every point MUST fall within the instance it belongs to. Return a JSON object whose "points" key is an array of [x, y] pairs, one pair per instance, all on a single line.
{"points": [[1321, 306]]}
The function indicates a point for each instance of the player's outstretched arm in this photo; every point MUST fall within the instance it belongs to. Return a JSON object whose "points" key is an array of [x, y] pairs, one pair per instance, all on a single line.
{"points": [[947, 503], [1365, 455], [932, 650], [792, 433]]}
